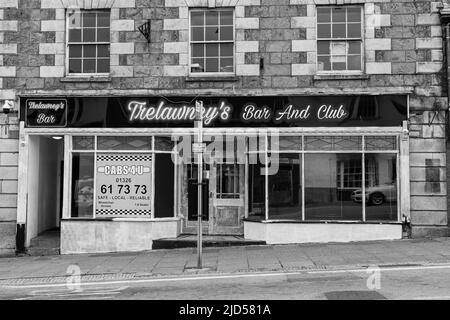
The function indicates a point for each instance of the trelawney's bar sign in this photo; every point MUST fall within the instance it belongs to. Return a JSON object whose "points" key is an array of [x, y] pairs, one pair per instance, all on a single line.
{"points": [[46, 113], [234, 111], [164, 112]]}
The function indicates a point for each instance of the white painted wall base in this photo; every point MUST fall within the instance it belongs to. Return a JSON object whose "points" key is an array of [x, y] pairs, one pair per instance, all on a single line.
{"points": [[114, 236], [289, 233]]}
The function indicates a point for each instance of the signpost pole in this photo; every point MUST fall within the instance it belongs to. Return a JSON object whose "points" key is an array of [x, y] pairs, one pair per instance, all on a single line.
{"points": [[199, 107]]}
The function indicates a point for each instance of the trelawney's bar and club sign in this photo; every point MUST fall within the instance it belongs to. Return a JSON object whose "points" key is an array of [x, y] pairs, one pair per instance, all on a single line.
{"points": [[245, 111]]}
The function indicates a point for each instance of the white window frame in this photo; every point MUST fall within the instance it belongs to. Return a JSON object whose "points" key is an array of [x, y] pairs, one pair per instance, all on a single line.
{"points": [[212, 74], [84, 75], [332, 72]]}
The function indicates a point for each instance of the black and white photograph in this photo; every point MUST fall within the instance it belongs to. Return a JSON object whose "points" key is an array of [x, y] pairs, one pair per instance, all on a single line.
{"points": [[225, 157]]}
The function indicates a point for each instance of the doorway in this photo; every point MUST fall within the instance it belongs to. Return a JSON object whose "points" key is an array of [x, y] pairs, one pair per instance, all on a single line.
{"points": [[45, 176], [223, 199]]}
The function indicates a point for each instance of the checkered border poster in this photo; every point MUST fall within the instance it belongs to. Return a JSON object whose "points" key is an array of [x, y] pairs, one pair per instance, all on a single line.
{"points": [[123, 185]]}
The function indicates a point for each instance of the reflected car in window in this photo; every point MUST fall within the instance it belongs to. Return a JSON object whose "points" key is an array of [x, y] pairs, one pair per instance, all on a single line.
{"points": [[377, 195]]}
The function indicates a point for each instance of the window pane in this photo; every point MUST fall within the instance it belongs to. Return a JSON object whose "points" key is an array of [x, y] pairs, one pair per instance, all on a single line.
{"points": [[381, 143], [124, 143], [103, 19], [354, 30], [89, 51], [89, 19], [354, 47], [340, 65], [103, 51], [83, 143], [256, 191], [323, 47], [198, 65], [212, 18], [197, 18], [324, 63], [226, 33], [323, 15], [164, 179], [75, 65], [330, 180], [285, 192], [212, 34], [103, 65], [198, 50], [339, 48], [89, 65], [89, 35], [339, 14], [330, 143], [354, 63], [212, 50], [164, 143], [75, 20], [75, 35], [354, 14], [381, 187], [212, 65], [286, 143], [75, 51], [197, 34], [103, 35], [228, 181], [226, 65], [226, 50], [324, 30], [82, 185], [339, 31], [226, 18]]}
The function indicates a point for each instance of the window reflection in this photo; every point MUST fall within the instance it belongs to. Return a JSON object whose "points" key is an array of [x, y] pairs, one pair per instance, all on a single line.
{"points": [[285, 189], [330, 180], [82, 184]]}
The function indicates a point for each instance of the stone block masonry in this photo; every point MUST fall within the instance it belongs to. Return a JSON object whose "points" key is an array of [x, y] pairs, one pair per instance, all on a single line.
{"points": [[275, 53]]}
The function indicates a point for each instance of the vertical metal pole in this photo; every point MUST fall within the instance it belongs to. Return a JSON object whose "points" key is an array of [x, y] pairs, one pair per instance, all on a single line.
{"points": [[199, 106]]}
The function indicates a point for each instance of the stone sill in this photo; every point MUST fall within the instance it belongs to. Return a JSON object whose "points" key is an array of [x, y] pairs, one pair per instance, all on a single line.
{"points": [[324, 77], [212, 79], [85, 79]]}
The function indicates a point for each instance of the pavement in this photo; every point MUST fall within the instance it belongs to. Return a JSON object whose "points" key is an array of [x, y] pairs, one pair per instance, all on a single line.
{"points": [[224, 260]]}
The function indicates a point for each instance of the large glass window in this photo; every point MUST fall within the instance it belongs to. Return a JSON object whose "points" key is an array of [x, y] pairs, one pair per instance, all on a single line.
{"points": [[330, 180], [322, 178], [82, 185], [285, 192], [339, 38], [114, 176], [212, 41], [89, 41]]}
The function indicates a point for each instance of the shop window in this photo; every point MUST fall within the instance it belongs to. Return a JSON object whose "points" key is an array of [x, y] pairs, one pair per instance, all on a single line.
{"points": [[285, 191], [164, 185], [82, 185], [381, 189], [228, 181], [326, 197], [285, 143], [124, 143], [339, 39], [212, 41], [256, 191], [88, 41]]}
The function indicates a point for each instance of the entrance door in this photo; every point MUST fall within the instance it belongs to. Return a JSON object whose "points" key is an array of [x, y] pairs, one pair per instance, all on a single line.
{"points": [[227, 189]]}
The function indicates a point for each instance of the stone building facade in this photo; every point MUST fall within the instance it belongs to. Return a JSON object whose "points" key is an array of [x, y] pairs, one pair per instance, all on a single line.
{"points": [[275, 53]]}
